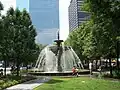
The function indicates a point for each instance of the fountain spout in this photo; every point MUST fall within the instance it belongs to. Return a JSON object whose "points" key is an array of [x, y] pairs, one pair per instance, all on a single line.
{"points": [[58, 42], [59, 52]]}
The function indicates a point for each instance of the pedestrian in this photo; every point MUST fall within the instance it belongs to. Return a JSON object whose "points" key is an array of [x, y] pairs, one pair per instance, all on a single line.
{"points": [[90, 68], [75, 71]]}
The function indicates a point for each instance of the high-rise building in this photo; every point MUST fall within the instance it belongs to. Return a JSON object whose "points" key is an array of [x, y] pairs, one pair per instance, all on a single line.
{"points": [[76, 15], [45, 18]]}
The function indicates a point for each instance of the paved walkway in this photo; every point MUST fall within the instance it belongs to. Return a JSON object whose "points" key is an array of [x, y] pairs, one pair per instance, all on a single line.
{"points": [[30, 84]]}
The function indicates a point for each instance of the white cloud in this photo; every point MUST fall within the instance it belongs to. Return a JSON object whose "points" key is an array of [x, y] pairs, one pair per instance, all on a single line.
{"points": [[7, 4], [64, 23]]}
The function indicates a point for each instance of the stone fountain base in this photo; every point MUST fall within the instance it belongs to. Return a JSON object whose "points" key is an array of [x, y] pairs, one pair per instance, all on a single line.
{"points": [[67, 73]]}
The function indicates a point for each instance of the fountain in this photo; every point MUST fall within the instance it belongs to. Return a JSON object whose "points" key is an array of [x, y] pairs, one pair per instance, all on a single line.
{"points": [[57, 59]]}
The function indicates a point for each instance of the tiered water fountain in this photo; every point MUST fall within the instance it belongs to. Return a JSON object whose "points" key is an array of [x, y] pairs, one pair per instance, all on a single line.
{"points": [[57, 60]]}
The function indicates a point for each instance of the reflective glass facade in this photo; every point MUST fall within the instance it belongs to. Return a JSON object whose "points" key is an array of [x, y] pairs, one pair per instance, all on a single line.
{"points": [[45, 17], [76, 16]]}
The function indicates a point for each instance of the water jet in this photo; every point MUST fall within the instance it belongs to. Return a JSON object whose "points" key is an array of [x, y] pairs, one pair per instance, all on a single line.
{"points": [[57, 60]]}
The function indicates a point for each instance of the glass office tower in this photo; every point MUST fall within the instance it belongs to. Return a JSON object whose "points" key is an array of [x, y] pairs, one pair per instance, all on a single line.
{"points": [[45, 17]]}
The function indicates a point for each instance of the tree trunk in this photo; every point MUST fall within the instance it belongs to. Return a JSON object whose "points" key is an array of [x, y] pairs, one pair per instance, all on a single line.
{"points": [[110, 67], [84, 62], [88, 64], [18, 68], [100, 62], [96, 64], [118, 55], [106, 64], [27, 67], [5, 68]]}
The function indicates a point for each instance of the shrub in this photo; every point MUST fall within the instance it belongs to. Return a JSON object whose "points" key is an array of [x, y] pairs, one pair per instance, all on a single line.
{"points": [[116, 73], [12, 80]]}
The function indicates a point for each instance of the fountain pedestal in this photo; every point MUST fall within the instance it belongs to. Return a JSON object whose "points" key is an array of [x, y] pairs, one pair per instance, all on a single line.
{"points": [[59, 54]]}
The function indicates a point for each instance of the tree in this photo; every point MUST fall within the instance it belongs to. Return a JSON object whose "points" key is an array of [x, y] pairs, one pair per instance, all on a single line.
{"points": [[97, 37], [1, 7], [4, 39], [24, 36], [19, 38], [1, 27], [33, 55], [105, 15], [6, 42], [82, 41]]}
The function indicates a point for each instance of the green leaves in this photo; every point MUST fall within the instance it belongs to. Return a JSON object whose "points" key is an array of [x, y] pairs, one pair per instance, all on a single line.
{"points": [[81, 40], [97, 37], [1, 6], [18, 36]]}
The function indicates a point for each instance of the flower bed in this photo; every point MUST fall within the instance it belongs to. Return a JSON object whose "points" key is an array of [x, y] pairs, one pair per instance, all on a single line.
{"points": [[13, 80]]}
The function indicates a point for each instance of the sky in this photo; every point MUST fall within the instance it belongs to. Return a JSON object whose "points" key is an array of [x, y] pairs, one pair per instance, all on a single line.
{"points": [[64, 24], [7, 4], [63, 7], [22, 3]]}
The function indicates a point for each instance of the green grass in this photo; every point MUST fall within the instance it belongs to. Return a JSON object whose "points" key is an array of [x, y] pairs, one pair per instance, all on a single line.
{"points": [[81, 83]]}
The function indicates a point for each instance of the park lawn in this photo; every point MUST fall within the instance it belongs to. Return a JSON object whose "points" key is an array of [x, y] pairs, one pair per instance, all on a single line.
{"points": [[80, 83]]}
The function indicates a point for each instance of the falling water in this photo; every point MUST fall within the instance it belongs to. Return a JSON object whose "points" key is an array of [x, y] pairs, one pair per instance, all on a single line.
{"points": [[50, 60]]}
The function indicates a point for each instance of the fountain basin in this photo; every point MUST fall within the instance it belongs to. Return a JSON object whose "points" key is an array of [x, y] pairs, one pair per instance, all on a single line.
{"points": [[60, 59], [65, 73]]}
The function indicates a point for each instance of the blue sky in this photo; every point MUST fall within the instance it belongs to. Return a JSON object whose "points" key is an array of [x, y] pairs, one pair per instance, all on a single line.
{"points": [[22, 3], [64, 23]]}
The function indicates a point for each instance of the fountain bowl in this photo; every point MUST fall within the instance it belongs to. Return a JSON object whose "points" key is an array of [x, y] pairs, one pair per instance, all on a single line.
{"points": [[57, 60], [56, 73]]}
